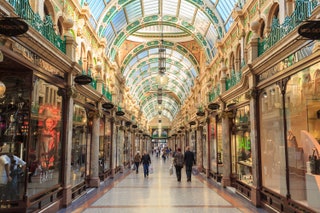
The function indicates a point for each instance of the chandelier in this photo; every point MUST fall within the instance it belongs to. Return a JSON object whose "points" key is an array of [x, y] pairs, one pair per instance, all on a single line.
{"points": [[161, 78]]}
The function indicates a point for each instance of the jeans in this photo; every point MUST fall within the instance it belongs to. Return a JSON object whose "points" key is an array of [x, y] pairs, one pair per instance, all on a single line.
{"points": [[146, 169]]}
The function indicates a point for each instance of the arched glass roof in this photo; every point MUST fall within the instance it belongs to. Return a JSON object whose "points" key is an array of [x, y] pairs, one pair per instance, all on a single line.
{"points": [[148, 21]]}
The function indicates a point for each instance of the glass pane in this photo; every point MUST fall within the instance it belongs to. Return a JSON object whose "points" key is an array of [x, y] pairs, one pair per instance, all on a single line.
{"points": [[271, 138], [303, 122], [14, 124], [79, 145], [45, 145]]}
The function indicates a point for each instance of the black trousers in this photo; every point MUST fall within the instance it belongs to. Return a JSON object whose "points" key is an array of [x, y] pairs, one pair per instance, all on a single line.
{"points": [[178, 172]]}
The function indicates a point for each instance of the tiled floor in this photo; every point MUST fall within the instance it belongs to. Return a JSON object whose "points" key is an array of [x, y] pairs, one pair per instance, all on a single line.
{"points": [[161, 192]]}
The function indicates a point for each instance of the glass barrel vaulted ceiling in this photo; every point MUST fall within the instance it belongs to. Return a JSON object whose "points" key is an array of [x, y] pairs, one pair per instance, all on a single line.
{"points": [[149, 21]]}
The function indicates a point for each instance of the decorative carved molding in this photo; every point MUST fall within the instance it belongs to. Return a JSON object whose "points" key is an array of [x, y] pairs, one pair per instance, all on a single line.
{"points": [[71, 92]]}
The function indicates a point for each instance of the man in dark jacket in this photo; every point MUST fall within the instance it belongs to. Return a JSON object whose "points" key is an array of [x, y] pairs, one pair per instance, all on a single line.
{"points": [[189, 161], [146, 161]]}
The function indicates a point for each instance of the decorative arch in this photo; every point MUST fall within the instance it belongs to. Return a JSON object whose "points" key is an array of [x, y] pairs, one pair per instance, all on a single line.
{"points": [[273, 13], [48, 10], [153, 44], [113, 48]]}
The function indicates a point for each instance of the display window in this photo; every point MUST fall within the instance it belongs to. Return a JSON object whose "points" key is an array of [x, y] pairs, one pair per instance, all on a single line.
{"points": [[104, 145], [303, 124], [241, 145], [213, 144], [271, 139], [45, 139], [14, 132], [299, 145], [79, 145]]}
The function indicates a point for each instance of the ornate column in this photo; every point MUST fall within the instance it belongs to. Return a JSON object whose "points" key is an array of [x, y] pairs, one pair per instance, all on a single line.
{"points": [[199, 147], [71, 44], [226, 147], [68, 95], [253, 43], [208, 147], [255, 146], [94, 180]]}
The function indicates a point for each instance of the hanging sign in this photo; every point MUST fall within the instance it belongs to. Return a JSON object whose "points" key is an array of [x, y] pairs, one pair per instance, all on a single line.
{"points": [[13, 26], [310, 29], [83, 79]]}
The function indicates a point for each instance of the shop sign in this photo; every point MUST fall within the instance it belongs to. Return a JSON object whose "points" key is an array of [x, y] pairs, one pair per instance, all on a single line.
{"points": [[13, 26], [310, 29], [83, 79], [107, 105]]}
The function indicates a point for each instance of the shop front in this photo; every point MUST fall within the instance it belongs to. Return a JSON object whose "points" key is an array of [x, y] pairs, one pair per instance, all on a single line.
{"points": [[289, 137], [32, 109]]}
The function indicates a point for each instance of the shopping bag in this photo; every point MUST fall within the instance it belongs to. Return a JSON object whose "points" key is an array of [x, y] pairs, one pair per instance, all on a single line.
{"points": [[171, 170], [195, 170], [133, 167], [151, 170]]}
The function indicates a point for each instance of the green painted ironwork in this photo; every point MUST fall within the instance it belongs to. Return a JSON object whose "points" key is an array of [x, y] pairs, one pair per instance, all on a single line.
{"points": [[302, 12], [45, 28], [214, 94], [106, 93], [233, 79]]}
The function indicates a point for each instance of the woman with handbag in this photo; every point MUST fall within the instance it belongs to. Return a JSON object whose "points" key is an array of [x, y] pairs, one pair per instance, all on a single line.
{"points": [[178, 162]]}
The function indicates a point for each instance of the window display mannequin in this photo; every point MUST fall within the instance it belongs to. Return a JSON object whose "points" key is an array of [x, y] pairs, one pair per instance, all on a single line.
{"points": [[292, 141], [11, 169]]}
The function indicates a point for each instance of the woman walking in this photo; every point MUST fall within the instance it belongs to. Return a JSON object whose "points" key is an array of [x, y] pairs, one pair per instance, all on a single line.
{"points": [[178, 162]]}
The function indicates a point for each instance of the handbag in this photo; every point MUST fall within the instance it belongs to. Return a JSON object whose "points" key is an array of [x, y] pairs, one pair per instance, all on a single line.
{"points": [[151, 170], [171, 170], [133, 166]]}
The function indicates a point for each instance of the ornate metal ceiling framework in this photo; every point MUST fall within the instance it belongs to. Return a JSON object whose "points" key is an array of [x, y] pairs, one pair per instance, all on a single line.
{"points": [[202, 21]]}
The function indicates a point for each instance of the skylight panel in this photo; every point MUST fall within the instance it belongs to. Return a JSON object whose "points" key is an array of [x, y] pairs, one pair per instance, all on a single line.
{"points": [[134, 11], [151, 7], [143, 54], [96, 7], [109, 34], [187, 11], [201, 22], [119, 21], [169, 7], [153, 51], [211, 35]]}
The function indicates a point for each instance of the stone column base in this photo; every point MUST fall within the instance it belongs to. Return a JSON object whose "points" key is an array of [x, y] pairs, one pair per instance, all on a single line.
{"points": [[255, 196], [67, 196], [226, 181], [94, 182]]}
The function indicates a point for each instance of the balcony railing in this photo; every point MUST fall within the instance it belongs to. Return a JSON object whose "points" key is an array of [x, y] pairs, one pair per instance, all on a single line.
{"points": [[44, 27], [302, 12], [233, 80], [214, 94]]}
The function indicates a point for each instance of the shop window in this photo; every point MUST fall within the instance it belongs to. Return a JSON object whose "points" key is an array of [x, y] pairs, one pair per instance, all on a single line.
{"points": [[271, 140], [79, 145], [241, 143], [14, 125], [45, 139], [302, 104]]}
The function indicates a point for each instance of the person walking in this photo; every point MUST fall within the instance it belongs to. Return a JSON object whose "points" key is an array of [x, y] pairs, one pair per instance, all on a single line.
{"points": [[146, 161], [137, 161], [189, 161], [178, 162]]}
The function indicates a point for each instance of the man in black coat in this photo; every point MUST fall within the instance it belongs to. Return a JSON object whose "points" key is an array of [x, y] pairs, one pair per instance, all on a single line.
{"points": [[189, 161]]}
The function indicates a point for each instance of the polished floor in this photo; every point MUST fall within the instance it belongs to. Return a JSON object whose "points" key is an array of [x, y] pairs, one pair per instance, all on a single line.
{"points": [[160, 192]]}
